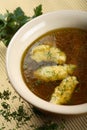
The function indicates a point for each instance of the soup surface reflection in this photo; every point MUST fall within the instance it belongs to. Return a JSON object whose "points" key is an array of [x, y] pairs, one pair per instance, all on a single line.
{"points": [[73, 42]]}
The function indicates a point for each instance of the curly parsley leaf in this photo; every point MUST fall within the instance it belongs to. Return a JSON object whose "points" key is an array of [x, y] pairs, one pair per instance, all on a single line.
{"points": [[11, 22], [37, 11]]}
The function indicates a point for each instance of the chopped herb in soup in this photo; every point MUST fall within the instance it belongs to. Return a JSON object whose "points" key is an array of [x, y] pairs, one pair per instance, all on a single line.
{"points": [[54, 67]]}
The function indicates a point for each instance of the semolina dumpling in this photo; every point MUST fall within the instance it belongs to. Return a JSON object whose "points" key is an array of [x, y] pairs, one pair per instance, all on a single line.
{"points": [[63, 92], [48, 53], [56, 72]]}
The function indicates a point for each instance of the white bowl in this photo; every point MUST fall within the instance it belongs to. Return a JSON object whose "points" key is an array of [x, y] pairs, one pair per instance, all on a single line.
{"points": [[24, 37]]}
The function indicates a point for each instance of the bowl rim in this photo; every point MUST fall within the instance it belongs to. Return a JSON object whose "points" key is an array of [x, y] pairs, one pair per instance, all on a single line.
{"points": [[60, 109]]}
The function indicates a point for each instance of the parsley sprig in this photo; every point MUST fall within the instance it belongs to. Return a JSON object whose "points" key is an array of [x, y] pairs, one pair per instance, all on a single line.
{"points": [[10, 22]]}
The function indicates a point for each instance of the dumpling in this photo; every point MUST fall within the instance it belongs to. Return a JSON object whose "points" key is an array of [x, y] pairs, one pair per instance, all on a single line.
{"points": [[48, 53], [52, 73], [63, 92]]}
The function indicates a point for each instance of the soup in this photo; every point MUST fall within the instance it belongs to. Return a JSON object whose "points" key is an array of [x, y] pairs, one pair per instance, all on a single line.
{"points": [[71, 43]]}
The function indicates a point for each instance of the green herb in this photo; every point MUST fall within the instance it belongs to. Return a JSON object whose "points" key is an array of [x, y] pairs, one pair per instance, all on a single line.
{"points": [[38, 82], [11, 22], [5, 95], [5, 112], [50, 126], [20, 115], [14, 97], [77, 89], [5, 105], [49, 55], [2, 128], [37, 11], [37, 112]]}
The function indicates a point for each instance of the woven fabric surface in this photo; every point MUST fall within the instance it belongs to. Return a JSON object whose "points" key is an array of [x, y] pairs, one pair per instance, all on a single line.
{"points": [[36, 118]]}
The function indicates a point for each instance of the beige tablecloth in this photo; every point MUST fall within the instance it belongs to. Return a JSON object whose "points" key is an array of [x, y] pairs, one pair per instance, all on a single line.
{"points": [[15, 102]]}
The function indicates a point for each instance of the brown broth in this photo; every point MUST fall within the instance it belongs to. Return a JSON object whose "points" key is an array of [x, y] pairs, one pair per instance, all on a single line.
{"points": [[74, 43]]}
